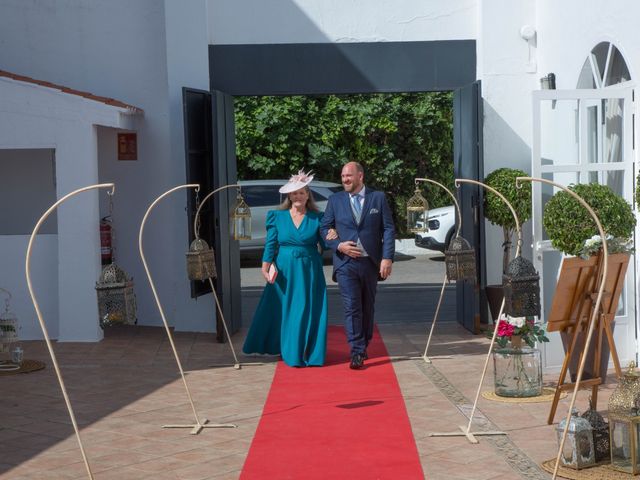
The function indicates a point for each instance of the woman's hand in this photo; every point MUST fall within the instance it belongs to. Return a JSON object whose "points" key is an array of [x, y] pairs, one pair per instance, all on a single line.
{"points": [[332, 234], [265, 270]]}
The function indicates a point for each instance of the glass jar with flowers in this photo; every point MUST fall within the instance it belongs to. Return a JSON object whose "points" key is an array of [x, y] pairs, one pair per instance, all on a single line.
{"points": [[517, 365]]}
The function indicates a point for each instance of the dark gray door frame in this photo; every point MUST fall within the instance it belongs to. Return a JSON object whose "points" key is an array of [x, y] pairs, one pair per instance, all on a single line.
{"points": [[341, 68], [468, 163], [347, 68]]}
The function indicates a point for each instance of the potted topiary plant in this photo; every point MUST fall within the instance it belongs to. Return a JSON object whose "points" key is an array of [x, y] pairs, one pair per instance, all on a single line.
{"points": [[572, 230], [569, 225], [497, 212]]}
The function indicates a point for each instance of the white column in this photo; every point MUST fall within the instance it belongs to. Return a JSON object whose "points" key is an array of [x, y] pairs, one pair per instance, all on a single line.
{"points": [[78, 234]]}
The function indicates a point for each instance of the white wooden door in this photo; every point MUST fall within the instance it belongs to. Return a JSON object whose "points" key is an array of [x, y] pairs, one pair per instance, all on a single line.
{"points": [[582, 136]]}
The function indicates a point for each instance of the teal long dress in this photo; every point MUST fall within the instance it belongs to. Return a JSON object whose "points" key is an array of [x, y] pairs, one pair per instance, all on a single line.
{"points": [[291, 318]]}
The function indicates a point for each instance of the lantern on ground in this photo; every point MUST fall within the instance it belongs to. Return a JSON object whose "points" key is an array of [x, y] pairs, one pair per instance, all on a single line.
{"points": [[417, 210], [201, 262], [460, 260], [578, 451], [8, 326], [624, 423], [521, 284], [116, 299], [241, 220], [600, 430]]}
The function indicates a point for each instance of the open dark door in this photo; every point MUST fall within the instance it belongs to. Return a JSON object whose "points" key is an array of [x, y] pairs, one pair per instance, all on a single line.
{"points": [[468, 163], [198, 141], [210, 160], [225, 173]]}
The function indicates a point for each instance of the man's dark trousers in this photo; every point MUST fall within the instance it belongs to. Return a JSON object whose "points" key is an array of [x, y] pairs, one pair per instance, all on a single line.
{"points": [[358, 281]]}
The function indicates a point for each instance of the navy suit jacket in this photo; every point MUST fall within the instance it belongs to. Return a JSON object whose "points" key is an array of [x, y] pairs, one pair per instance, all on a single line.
{"points": [[375, 230]]}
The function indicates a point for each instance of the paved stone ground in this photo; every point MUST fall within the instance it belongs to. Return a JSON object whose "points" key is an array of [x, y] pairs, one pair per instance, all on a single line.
{"points": [[407, 269], [126, 387]]}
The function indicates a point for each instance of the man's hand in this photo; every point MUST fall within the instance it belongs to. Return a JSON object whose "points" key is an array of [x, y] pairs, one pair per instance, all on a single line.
{"points": [[385, 268], [350, 248]]}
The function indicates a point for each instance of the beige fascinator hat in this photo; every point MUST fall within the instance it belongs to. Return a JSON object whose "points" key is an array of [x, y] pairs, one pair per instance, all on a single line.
{"points": [[296, 182]]}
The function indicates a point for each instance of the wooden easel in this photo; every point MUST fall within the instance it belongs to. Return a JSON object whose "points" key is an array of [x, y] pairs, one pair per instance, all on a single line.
{"points": [[571, 311]]}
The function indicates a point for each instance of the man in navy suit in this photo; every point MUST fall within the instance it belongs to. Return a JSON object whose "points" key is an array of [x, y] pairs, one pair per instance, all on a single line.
{"points": [[362, 253]]}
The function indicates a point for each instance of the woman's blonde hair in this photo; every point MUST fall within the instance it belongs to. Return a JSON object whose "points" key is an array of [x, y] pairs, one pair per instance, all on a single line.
{"points": [[311, 203]]}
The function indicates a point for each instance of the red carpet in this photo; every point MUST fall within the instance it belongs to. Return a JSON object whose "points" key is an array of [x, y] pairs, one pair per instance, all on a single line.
{"points": [[335, 423]]}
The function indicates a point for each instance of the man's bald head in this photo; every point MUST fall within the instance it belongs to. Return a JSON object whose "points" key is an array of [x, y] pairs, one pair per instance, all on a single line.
{"points": [[352, 177]]}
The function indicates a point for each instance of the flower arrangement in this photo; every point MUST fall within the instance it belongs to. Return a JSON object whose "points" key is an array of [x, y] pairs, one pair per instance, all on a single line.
{"points": [[524, 327], [614, 245]]}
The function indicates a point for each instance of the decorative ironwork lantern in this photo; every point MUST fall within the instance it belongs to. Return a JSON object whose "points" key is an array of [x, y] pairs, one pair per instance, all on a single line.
{"points": [[578, 451], [624, 423], [460, 260], [521, 284], [116, 299], [8, 326], [600, 429], [417, 213], [201, 262], [241, 220]]}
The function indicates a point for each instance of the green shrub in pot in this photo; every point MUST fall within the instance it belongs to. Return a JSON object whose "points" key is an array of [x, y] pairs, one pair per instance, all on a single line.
{"points": [[497, 212], [568, 224]]}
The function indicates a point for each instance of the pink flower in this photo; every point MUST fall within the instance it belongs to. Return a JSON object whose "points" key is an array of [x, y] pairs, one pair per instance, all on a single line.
{"points": [[505, 329]]}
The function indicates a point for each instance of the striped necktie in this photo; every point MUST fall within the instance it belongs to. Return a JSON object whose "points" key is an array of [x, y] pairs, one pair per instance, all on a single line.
{"points": [[356, 206]]}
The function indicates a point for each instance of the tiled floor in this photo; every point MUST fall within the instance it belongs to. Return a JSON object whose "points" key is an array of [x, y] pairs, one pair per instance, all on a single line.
{"points": [[126, 387]]}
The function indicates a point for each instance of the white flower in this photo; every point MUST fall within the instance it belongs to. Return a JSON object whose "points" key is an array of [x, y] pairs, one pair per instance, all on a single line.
{"points": [[517, 322], [593, 241]]}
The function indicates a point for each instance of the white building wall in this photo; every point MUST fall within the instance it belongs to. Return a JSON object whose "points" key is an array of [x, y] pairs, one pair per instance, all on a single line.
{"points": [[312, 21], [66, 264], [585, 23], [506, 67], [565, 34], [44, 277], [141, 53], [568, 31]]}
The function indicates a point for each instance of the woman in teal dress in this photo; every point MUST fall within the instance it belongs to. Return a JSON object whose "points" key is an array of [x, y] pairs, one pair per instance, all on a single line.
{"points": [[291, 318]]}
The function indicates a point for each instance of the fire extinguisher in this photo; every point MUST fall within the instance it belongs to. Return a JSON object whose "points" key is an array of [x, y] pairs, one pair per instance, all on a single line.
{"points": [[106, 234]]}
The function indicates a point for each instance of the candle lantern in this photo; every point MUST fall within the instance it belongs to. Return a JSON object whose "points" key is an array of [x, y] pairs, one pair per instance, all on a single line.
{"points": [[201, 262], [578, 451], [417, 212], [624, 423], [116, 299], [8, 326], [460, 260], [241, 220], [600, 430], [521, 285]]}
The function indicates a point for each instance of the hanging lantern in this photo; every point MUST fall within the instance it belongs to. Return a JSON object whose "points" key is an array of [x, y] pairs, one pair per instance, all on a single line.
{"points": [[624, 423], [521, 284], [460, 260], [201, 262], [241, 220], [600, 429], [417, 210], [116, 299], [8, 327], [578, 451]]}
